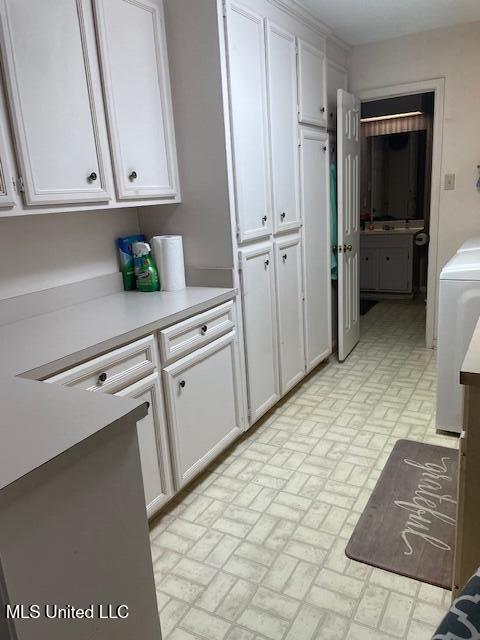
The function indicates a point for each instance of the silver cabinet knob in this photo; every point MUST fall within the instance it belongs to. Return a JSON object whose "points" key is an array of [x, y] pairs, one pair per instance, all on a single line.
{"points": [[347, 247], [283, 215], [133, 176], [92, 177], [264, 219]]}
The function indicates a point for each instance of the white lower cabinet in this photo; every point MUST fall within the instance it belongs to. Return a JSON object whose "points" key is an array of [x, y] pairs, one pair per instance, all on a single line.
{"points": [[153, 443], [386, 263], [203, 406], [260, 328], [288, 267]]}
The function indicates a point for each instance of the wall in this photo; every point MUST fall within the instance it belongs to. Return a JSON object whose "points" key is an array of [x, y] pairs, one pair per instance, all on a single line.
{"points": [[42, 251], [452, 53], [203, 217]]}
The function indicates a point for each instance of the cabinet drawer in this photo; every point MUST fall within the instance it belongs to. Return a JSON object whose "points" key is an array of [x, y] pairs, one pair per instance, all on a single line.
{"points": [[112, 371], [190, 334]]}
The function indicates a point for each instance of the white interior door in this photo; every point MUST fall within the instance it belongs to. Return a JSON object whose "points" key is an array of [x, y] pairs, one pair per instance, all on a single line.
{"points": [[348, 167], [137, 91], [249, 117]]}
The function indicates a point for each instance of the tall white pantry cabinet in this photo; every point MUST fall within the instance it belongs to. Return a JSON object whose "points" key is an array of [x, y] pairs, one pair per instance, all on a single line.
{"points": [[278, 107]]}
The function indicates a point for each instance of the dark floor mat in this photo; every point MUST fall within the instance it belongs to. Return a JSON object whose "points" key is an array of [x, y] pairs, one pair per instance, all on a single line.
{"points": [[408, 525]]}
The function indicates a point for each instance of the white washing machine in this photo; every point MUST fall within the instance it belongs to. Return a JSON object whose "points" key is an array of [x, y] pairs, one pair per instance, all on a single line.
{"points": [[470, 245], [458, 314]]}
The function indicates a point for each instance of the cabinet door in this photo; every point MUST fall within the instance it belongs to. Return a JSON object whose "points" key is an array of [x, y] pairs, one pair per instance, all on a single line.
{"points": [[6, 195], [153, 443], [312, 94], [368, 269], [137, 90], [203, 406], [249, 117], [394, 269], [52, 79], [314, 169], [282, 90], [260, 328], [336, 79], [288, 259]]}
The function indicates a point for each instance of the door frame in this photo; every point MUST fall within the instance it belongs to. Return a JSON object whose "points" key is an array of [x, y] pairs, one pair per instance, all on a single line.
{"points": [[436, 86]]}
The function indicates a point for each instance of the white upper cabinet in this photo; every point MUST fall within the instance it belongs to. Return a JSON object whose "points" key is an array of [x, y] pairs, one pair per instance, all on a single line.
{"points": [[288, 257], [282, 94], [314, 169], [137, 91], [337, 78], [260, 327], [249, 119], [312, 91], [52, 79]]}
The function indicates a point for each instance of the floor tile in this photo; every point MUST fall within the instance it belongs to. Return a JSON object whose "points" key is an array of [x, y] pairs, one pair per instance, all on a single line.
{"points": [[255, 548]]}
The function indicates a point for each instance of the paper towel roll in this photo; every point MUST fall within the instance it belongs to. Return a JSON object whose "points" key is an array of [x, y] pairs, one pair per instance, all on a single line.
{"points": [[168, 254]]}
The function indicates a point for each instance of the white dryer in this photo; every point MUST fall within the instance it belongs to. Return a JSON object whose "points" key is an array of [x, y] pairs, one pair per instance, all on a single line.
{"points": [[458, 313], [470, 245]]}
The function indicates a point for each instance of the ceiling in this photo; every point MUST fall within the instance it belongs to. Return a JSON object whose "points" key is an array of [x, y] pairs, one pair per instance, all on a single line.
{"points": [[361, 21]]}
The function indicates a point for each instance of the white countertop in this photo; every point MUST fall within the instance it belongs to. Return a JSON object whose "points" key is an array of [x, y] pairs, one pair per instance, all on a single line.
{"points": [[39, 346], [41, 421]]}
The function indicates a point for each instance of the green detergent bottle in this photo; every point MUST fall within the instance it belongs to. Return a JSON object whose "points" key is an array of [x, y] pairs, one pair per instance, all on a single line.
{"points": [[145, 268]]}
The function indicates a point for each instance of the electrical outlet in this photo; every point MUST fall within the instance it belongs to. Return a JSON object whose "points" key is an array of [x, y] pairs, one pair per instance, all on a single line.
{"points": [[449, 181]]}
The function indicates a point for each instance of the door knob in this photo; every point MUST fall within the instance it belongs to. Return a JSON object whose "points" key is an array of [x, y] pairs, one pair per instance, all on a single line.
{"points": [[133, 175], [92, 177]]}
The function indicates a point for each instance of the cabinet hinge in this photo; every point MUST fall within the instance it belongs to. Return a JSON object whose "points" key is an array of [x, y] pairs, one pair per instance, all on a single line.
{"points": [[21, 185]]}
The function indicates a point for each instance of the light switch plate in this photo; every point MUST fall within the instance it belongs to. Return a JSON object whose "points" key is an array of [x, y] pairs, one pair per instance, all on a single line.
{"points": [[449, 181]]}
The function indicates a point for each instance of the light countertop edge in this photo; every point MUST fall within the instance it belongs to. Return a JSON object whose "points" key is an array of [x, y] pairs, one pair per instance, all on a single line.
{"points": [[470, 371], [33, 428], [43, 345]]}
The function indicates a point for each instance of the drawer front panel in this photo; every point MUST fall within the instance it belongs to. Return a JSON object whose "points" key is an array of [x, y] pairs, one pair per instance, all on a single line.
{"points": [[112, 371], [184, 337]]}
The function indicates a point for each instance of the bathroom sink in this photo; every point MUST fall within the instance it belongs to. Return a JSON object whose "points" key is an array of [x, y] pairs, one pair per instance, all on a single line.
{"points": [[397, 231]]}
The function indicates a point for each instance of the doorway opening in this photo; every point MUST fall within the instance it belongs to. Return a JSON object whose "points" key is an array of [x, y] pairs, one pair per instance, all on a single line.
{"points": [[396, 144], [401, 141]]}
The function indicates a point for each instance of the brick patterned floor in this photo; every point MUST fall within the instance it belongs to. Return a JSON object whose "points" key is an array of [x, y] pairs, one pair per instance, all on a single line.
{"points": [[254, 550]]}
